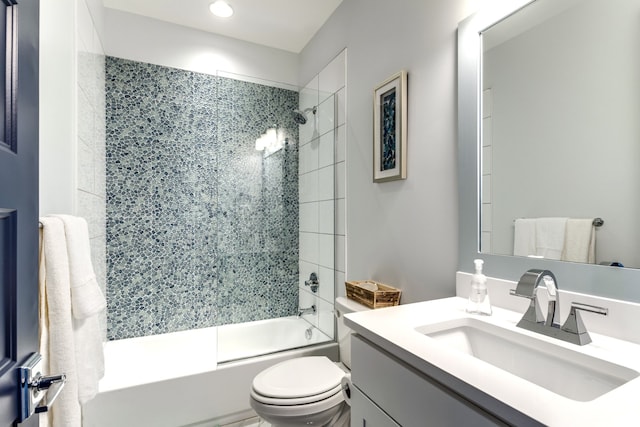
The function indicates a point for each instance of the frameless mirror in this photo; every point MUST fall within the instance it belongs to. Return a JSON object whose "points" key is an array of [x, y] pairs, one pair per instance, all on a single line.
{"points": [[596, 155], [560, 96]]}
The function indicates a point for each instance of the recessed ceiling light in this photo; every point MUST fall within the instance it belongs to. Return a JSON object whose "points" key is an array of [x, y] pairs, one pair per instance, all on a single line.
{"points": [[221, 9]]}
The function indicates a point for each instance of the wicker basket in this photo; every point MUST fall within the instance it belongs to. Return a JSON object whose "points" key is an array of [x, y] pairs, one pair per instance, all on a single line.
{"points": [[373, 294]]}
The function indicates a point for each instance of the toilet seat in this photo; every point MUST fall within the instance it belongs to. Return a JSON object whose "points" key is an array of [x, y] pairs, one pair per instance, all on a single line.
{"points": [[298, 387], [298, 378], [332, 403], [295, 401]]}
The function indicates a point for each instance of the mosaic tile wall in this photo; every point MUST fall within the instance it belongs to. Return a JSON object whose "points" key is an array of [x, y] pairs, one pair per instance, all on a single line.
{"points": [[202, 229]]}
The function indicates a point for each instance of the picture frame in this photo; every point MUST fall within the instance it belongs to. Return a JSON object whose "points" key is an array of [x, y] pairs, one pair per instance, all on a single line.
{"points": [[390, 129]]}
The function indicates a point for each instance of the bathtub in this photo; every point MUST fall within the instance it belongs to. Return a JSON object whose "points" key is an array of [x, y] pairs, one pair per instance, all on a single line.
{"points": [[199, 377]]}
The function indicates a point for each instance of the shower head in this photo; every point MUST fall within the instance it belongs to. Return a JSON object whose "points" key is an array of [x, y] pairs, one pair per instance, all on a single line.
{"points": [[300, 116]]}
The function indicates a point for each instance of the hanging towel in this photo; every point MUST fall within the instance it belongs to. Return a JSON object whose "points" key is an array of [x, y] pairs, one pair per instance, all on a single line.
{"points": [[87, 302], [70, 334], [87, 299], [550, 234], [43, 319], [580, 241], [524, 241], [56, 330]]}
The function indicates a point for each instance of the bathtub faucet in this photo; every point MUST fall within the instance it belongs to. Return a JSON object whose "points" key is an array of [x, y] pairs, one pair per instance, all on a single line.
{"points": [[302, 311]]}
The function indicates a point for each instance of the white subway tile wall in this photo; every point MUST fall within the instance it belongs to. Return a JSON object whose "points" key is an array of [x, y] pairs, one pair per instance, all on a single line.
{"points": [[91, 175], [322, 191]]}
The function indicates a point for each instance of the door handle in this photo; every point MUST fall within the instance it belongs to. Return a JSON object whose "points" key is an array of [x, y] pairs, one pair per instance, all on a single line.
{"points": [[37, 392]]}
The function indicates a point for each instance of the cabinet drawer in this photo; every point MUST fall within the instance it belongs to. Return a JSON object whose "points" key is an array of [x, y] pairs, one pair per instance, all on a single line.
{"points": [[364, 413], [409, 397]]}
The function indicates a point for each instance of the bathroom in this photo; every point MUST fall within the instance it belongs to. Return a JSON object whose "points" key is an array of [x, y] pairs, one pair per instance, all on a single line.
{"points": [[414, 233]]}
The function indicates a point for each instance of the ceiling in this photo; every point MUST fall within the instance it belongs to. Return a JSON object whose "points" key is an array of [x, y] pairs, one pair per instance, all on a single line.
{"points": [[281, 24]]}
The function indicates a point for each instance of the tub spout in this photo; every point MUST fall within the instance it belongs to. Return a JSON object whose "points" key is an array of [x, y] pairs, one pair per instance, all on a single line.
{"points": [[303, 311]]}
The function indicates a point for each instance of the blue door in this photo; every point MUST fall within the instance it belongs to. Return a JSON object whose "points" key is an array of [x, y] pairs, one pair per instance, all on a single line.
{"points": [[18, 198]]}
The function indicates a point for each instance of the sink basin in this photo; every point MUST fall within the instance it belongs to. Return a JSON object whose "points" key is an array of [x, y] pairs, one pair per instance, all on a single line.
{"points": [[569, 373]]}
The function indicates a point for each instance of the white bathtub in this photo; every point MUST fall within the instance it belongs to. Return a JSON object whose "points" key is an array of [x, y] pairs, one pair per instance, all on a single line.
{"points": [[183, 378], [264, 337]]}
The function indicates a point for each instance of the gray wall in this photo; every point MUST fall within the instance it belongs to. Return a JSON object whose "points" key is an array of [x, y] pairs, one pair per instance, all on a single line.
{"points": [[202, 229], [404, 232]]}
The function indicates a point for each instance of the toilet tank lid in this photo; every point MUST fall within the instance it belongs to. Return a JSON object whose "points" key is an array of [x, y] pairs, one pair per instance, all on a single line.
{"points": [[346, 305]]}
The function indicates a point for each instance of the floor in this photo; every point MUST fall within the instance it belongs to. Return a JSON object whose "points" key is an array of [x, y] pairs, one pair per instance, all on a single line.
{"points": [[251, 422]]}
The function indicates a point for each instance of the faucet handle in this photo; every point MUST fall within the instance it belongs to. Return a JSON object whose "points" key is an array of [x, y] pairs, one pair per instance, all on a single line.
{"points": [[312, 282], [590, 308], [574, 324]]}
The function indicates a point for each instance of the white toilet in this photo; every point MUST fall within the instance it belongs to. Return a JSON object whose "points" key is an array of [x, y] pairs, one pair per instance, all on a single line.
{"points": [[307, 390]]}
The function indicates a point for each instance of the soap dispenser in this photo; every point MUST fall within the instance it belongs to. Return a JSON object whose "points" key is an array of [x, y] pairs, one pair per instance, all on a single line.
{"points": [[479, 302]]}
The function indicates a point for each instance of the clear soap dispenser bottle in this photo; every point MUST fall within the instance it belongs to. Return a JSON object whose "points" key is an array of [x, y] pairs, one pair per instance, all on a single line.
{"points": [[479, 302]]}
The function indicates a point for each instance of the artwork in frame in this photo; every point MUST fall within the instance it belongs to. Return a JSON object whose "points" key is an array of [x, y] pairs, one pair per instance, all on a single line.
{"points": [[390, 129]]}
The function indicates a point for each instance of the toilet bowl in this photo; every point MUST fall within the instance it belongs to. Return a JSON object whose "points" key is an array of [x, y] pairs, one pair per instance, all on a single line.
{"points": [[307, 390]]}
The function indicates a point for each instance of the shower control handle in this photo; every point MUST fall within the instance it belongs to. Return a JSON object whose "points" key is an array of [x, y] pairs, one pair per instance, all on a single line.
{"points": [[312, 282]]}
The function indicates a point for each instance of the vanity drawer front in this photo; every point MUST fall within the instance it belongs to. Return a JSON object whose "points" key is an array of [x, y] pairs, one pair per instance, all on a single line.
{"points": [[408, 396], [364, 413]]}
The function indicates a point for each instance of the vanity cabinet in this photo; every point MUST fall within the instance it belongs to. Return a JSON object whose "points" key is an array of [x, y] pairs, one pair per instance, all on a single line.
{"points": [[389, 392]]}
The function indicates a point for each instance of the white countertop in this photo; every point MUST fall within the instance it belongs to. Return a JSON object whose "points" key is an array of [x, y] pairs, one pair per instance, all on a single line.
{"points": [[393, 329]]}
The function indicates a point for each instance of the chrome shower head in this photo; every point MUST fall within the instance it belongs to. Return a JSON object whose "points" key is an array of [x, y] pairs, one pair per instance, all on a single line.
{"points": [[300, 116]]}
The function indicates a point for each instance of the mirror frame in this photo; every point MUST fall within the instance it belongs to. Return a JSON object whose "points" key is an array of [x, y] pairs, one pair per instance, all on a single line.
{"points": [[603, 281]]}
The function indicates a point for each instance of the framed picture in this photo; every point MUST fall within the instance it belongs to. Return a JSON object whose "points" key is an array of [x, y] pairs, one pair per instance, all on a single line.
{"points": [[390, 129]]}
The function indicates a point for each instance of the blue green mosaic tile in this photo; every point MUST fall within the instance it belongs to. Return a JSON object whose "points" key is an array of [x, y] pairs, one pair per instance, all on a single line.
{"points": [[202, 229]]}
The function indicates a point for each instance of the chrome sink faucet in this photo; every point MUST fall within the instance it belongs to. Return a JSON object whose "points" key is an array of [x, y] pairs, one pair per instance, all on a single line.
{"points": [[527, 287], [573, 330]]}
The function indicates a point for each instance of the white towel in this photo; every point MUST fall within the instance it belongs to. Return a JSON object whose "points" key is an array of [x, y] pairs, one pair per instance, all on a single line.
{"points": [[86, 297], [524, 241], [58, 350], [580, 241], [70, 334], [43, 317], [550, 234], [87, 302]]}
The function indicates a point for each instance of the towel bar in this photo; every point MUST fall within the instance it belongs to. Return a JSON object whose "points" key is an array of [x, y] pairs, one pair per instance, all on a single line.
{"points": [[597, 222]]}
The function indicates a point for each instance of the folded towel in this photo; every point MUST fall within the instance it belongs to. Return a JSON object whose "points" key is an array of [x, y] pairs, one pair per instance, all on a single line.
{"points": [[57, 329], [580, 241], [524, 241], [550, 234]]}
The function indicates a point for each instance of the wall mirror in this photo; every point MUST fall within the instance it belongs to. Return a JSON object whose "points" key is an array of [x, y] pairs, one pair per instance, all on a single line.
{"points": [[548, 100], [559, 130]]}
